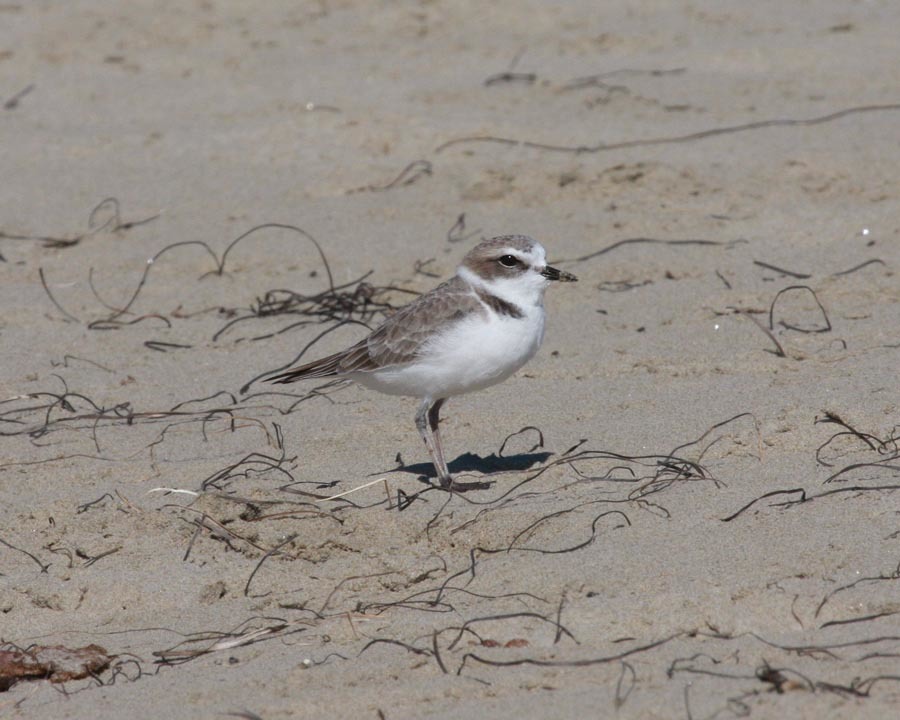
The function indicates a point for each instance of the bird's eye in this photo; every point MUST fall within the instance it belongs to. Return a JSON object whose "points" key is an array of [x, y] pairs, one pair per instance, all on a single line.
{"points": [[509, 261]]}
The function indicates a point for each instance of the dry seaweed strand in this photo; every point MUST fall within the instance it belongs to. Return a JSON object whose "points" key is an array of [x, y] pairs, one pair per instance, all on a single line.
{"points": [[509, 76], [855, 268], [892, 577], [581, 662], [244, 634], [112, 224], [890, 445], [68, 358], [625, 684], [457, 233], [791, 273], [12, 102], [825, 328], [413, 172], [559, 513], [44, 567], [649, 241], [749, 314], [255, 462], [804, 497], [864, 618], [275, 550], [672, 139]]}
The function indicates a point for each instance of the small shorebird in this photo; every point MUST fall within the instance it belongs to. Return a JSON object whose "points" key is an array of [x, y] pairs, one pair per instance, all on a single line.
{"points": [[470, 332]]}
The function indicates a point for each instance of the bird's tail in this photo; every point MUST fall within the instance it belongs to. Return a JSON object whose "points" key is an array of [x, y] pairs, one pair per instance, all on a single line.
{"points": [[324, 367]]}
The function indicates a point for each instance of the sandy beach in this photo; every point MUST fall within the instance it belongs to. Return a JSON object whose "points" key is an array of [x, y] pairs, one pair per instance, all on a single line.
{"points": [[691, 503]]}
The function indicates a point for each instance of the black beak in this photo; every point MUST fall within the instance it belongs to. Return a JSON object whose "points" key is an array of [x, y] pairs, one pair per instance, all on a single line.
{"points": [[551, 273]]}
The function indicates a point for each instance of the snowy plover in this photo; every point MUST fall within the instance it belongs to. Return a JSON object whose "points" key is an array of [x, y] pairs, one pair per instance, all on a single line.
{"points": [[470, 332]]}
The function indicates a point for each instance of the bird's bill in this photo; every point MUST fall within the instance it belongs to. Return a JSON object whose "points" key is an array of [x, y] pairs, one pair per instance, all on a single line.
{"points": [[551, 273]]}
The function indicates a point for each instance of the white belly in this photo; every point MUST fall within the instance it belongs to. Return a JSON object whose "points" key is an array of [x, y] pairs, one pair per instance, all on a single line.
{"points": [[474, 354]]}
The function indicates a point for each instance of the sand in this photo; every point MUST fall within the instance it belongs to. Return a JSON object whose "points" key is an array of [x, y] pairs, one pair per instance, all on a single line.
{"points": [[702, 519]]}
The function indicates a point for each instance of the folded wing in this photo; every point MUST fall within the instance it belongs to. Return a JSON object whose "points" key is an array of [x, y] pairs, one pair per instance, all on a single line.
{"points": [[400, 339]]}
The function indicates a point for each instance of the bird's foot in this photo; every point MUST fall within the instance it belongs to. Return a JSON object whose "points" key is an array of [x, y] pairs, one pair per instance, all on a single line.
{"points": [[451, 485]]}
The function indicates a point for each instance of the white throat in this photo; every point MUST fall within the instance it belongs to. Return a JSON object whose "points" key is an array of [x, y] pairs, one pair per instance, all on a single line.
{"points": [[524, 291]]}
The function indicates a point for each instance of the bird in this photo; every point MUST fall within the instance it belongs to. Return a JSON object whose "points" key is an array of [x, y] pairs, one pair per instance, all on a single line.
{"points": [[468, 333]]}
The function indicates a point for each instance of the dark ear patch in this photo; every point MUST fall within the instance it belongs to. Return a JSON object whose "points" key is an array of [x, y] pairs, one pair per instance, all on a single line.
{"points": [[490, 266]]}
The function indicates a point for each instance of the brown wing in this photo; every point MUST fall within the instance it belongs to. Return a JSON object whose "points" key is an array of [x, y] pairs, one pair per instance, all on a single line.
{"points": [[324, 367], [400, 339]]}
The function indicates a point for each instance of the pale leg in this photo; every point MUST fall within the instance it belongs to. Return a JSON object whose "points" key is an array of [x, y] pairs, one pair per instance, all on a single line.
{"points": [[427, 423], [433, 421]]}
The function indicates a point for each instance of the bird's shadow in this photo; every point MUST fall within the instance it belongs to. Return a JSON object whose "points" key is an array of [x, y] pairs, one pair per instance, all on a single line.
{"points": [[470, 462]]}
